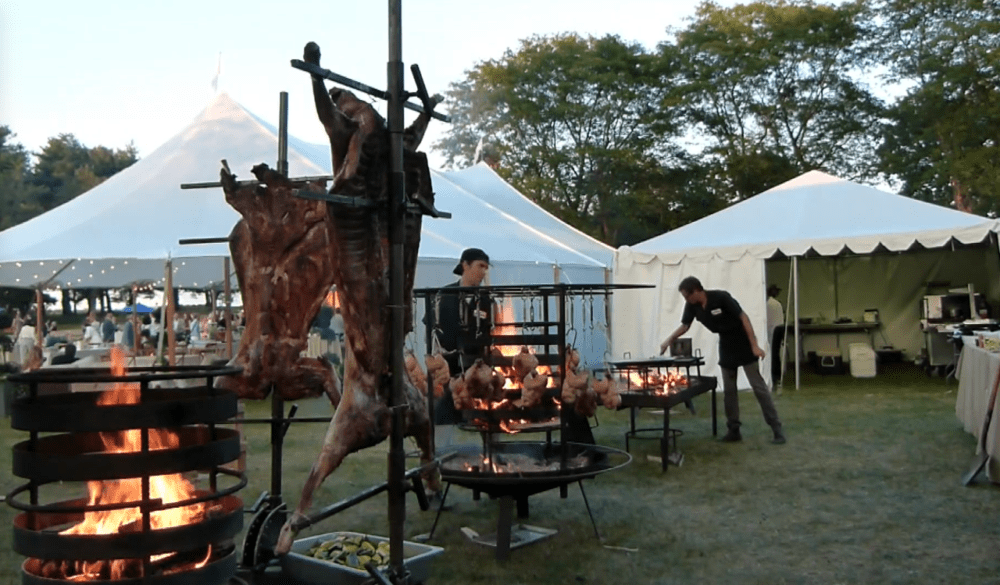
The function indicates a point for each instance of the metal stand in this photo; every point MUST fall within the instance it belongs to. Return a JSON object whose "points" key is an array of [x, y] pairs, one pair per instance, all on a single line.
{"points": [[509, 536]]}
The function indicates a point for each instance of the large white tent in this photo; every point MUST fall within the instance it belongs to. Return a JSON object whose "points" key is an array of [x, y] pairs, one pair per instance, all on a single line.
{"points": [[123, 231], [854, 247]]}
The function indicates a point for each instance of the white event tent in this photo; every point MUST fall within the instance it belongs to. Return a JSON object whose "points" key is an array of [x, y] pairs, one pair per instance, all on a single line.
{"points": [[843, 247], [124, 230]]}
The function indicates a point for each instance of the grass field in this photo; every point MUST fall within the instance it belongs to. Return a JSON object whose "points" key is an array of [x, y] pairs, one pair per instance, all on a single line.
{"points": [[867, 490]]}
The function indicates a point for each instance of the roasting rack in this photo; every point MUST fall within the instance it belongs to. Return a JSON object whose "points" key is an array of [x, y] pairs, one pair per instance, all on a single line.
{"points": [[636, 396]]}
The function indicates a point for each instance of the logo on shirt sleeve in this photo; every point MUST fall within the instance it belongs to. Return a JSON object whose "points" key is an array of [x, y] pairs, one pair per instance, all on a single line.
{"points": [[716, 312]]}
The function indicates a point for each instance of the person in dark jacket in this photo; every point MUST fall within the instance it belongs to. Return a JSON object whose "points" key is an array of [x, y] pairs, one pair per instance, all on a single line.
{"points": [[719, 312], [463, 322], [67, 357]]}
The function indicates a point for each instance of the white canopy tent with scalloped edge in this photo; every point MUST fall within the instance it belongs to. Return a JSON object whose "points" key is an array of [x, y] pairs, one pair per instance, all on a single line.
{"points": [[838, 248]]}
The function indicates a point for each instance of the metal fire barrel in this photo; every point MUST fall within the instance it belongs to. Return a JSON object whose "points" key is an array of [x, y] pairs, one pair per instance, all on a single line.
{"points": [[65, 445]]}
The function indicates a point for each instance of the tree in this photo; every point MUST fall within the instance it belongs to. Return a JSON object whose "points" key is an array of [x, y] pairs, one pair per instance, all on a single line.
{"points": [[943, 142], [771, 91], [569, 120], [66, 168], [17, 198]]}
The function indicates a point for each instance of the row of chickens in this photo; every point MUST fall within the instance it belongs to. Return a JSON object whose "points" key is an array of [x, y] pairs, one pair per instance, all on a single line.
{"points": [[481, 385]]}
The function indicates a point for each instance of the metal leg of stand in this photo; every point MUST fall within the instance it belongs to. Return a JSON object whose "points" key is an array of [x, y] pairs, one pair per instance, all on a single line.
{"points": [[444, 498], [715, 418], [522, 507], [589, 513], [664, 440], [504, 528]]}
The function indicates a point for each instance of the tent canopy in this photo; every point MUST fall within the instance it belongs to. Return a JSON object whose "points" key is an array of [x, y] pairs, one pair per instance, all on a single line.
{"points": [[122, 231], [817, 212], [813, 214]]}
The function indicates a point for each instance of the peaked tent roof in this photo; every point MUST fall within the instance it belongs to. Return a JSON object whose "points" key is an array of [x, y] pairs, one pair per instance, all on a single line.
{"points": [[123, 230], [820, 212]]}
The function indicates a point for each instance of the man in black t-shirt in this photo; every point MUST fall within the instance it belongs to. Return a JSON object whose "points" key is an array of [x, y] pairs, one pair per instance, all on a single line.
{"points": [[718, 311], [463, 324]]}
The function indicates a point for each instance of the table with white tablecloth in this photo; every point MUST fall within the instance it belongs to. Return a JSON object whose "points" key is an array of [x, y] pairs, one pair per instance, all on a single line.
{"points": [[977, 371]]}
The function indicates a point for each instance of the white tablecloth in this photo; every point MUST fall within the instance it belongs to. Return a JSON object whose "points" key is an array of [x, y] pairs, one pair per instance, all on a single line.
{"points": [[977, 371]]}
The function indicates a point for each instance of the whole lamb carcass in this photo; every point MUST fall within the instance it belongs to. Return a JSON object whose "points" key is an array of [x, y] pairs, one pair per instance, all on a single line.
{"points": [[281, 254], [359, 240]]}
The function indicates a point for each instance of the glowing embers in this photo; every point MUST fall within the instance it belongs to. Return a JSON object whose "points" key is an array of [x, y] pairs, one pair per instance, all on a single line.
{"points": [[654, 382]]}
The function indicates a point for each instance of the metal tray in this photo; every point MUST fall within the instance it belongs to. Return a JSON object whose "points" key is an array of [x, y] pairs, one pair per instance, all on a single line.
{"points": [[296, 564]]}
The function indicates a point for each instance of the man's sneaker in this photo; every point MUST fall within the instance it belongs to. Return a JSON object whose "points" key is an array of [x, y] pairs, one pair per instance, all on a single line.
{"points": [[779, 437], [733, 436]]}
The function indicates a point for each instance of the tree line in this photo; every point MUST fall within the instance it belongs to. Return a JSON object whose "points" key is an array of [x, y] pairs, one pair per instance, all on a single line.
{"points": [[63, 169], [625, 143]]}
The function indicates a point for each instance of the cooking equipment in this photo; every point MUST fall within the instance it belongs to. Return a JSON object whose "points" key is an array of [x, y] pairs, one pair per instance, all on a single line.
{"points": [[658, 383], [68, 442]]}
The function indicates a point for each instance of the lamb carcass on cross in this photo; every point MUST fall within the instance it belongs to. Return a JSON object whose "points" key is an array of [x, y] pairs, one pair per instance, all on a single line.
{"points": [[360, 246], [281, 253]]}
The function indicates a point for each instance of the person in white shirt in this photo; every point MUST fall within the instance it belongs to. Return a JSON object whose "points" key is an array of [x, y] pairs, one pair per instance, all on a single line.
{"points": [[25, 340], [92, 333], [776, 329]]}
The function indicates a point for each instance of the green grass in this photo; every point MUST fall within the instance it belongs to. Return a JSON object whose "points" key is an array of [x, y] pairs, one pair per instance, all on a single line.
{"points": [[867, 490]]}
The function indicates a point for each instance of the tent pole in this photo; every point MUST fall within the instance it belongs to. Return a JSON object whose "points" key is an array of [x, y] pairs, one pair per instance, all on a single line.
{"points": [[167, 327], [607, 313], [229, 304], [798, 335], [134, 317]]}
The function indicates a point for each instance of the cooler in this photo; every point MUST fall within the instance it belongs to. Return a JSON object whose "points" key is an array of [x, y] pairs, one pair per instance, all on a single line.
{"points": [[862, 360], [829, 361]]}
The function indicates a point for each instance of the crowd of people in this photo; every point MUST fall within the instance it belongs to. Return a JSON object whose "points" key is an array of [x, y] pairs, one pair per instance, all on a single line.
{"points": [[135, 332]]}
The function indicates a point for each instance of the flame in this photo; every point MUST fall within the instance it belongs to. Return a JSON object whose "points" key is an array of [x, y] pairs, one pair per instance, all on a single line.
{"points": [[504, 326], [655, 382], [168, 488], [332, 300]]}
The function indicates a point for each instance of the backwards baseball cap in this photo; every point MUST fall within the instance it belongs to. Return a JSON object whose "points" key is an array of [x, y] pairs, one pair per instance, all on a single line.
{"points": [[470, 255]]}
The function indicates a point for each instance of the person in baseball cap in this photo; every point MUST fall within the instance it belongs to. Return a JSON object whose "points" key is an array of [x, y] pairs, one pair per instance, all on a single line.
{"points": [[469, 257]]}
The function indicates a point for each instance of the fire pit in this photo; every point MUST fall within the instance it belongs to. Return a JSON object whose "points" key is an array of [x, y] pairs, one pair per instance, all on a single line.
{"points": [[659, 383], [143, 521], [511, 471]]}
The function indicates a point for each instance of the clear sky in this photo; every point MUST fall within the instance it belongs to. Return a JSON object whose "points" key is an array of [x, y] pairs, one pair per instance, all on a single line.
{"points": [[114, 72]]}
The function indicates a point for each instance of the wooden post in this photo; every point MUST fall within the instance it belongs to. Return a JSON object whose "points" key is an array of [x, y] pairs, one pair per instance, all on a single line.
{"points": [[134, 318], [40, 314], [229, 304], [168, 318]]}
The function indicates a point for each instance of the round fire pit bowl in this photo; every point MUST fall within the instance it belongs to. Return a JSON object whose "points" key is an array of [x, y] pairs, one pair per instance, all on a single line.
{"points": [[527, 463]]}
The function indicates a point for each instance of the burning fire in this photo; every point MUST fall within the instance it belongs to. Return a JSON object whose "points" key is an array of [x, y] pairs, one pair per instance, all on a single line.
{"points": [[332, 300], [668, 383], [504, 325], [168, 488]]}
